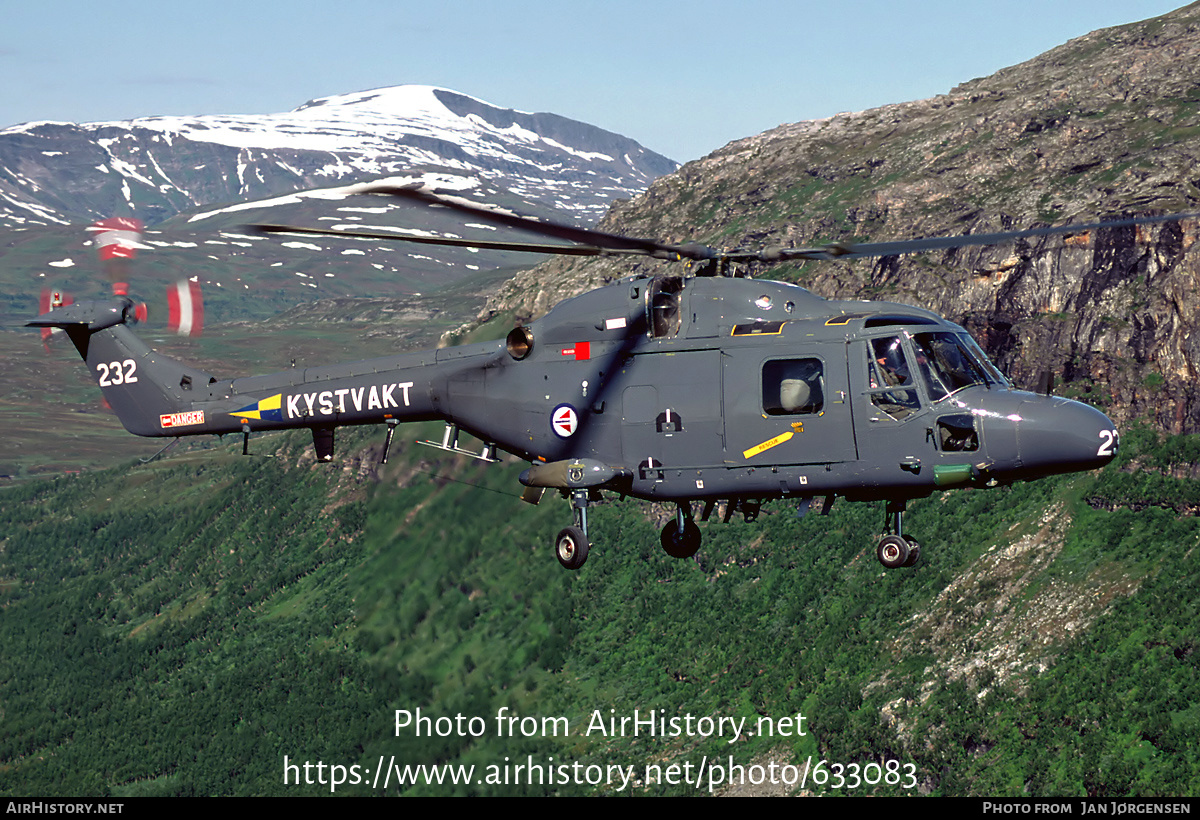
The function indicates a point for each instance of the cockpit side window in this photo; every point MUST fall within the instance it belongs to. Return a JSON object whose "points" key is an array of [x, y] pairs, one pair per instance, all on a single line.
{"points": [[890, 376], [889, 367], [949, 364], [793, 387]]}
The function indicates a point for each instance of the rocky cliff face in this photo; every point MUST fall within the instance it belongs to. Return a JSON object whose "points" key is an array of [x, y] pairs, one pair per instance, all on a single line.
{"points": [[1107, 125]]}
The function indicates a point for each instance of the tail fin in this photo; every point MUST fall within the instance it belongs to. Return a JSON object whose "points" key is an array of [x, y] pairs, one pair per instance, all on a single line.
{"points": [[142, 387], [48, 302]]}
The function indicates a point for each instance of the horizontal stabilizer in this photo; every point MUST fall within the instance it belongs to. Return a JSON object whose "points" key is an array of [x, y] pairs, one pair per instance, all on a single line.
{"points": [[93, 315]]}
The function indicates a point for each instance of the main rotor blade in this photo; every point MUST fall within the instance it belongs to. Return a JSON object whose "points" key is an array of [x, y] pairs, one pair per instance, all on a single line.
{"points": [[850, 250], [483, 244], [570, 233]]}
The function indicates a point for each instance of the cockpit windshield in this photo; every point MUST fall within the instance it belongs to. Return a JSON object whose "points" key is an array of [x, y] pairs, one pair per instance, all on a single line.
{"points": [[951, 361]]}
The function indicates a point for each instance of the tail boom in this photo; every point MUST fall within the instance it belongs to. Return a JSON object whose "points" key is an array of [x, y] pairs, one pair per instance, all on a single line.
{"points": [[152, 394], [156, 396]]}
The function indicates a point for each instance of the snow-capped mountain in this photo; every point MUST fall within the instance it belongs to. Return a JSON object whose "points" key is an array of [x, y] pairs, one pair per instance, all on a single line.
{"points": [[156, 167]]}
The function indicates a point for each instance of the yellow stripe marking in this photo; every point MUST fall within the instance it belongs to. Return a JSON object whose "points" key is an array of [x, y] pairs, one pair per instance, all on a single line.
{"points": [[767, 445]]}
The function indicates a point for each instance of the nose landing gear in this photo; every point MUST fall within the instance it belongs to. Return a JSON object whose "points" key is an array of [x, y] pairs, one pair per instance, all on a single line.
{"points": [[571, 545], [896, 549]]}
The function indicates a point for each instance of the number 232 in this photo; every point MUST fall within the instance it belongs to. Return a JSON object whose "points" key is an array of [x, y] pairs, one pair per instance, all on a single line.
{"points": [[116, 373]]}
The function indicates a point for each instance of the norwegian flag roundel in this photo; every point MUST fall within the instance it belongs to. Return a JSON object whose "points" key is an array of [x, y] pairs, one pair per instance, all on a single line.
{"points": [[564, 421]]}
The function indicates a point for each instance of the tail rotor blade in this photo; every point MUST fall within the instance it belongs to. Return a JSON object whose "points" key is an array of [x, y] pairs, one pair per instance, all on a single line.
{"points": [[185, 307], [117, 241]]}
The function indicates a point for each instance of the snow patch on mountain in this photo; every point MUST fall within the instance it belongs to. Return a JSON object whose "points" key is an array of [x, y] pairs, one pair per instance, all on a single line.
{"points": [[156, 167]]}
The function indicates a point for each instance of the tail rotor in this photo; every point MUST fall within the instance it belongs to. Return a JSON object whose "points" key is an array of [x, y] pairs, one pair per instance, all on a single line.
{"points": [[118, 240]]}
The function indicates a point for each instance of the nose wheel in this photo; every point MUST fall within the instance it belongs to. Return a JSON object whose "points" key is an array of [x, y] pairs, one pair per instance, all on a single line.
{"points": [[896, 549], [571, 547]]}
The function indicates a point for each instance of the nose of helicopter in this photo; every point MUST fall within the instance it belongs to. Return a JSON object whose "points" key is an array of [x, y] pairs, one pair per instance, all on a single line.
{"points": [[1057, 435]]}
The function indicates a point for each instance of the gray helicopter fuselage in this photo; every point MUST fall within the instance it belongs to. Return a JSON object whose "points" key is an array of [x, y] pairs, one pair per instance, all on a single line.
{"points": [[664, 388], [690, 407]]}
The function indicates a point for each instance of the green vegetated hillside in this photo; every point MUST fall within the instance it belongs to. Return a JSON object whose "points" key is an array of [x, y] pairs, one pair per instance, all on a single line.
{"points": [[183, 627]]}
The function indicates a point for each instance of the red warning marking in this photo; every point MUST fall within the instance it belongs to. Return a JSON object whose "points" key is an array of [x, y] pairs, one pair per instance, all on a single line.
{"points": [[582, 351]]}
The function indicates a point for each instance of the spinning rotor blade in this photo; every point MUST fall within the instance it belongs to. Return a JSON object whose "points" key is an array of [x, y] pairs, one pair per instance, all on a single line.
{"points": [[117, 241], [850, 250], [588, 242], [582, 236], [185, 308], [484, 244]]}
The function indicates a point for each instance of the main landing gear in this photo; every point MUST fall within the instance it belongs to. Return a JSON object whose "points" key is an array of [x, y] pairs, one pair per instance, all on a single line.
{"points": [[895, 548], [681, 537]]}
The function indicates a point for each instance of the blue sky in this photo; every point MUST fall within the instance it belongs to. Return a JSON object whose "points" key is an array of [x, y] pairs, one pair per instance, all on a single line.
{"points": [[682, 78]]}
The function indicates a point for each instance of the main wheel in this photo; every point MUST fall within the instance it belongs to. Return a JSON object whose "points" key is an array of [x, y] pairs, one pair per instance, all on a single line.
{"points": [[681, 544], [914, 552], [893, 551], [571, 547]]}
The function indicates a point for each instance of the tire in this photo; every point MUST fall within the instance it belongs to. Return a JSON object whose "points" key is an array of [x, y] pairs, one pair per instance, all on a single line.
{"points": [[914, 552], [571, 548], [893, 551], [681, 544]]}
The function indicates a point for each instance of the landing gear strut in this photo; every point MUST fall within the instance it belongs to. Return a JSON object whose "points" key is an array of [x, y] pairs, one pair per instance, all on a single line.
{"points": [[895, 548], [681, 537], [571, 545]]}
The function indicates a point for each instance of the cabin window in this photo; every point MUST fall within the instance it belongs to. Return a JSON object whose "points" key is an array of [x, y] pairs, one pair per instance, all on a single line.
{"points": [[793, 387]]}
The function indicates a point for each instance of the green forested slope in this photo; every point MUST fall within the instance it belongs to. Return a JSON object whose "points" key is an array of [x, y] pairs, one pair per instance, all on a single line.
{"points": [[181, 627]]}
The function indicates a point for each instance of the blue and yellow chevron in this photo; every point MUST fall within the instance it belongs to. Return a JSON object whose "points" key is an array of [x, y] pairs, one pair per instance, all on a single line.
{"points": [[270, 409]]}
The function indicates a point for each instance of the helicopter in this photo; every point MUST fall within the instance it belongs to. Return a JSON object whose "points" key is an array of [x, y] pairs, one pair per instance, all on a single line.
{"points": [[692, 388]]}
